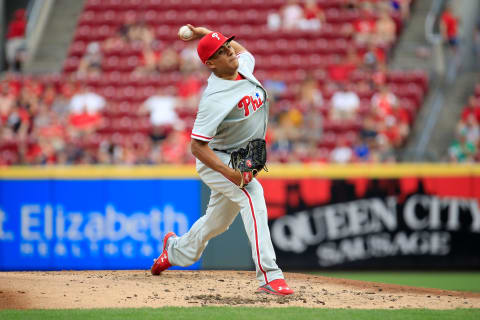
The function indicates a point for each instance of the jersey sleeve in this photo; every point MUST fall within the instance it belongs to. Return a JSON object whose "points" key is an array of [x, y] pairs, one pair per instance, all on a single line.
{"points": [[246, 60], [210, 115]]}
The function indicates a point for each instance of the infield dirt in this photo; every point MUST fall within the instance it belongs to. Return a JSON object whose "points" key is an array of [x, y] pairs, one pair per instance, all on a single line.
{"points": [[138, 288]]}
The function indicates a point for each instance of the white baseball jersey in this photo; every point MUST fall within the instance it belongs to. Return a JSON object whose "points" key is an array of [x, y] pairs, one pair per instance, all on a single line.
{"points": [[231, 113]]}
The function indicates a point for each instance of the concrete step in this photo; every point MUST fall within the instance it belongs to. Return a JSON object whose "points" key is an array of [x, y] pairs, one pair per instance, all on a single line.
{"points": [[456, 97], [57, 36], [412, 38]]}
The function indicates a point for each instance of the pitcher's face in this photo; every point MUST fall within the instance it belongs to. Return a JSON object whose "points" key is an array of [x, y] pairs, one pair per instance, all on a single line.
{"points": [[224, 60]]}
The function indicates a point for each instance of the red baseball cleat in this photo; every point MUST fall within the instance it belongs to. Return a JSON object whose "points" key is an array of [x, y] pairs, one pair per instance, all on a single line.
{"points": [[161, 263], [278, 287]]}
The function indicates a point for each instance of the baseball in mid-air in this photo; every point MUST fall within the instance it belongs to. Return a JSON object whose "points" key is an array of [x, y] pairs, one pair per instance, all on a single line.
{"points": [[185, 33]]}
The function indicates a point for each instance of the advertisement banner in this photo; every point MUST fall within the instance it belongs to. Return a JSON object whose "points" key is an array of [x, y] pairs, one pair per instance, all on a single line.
{"points": [[58, 224], [375, 223]]}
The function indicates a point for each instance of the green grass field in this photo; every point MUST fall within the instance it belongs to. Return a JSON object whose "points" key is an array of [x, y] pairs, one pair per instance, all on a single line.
{"points": [[442, 280], [460, 281], [233, 313]]}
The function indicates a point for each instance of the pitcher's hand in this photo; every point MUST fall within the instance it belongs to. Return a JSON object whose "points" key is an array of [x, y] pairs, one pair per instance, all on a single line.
{"points": [[198, 32]]}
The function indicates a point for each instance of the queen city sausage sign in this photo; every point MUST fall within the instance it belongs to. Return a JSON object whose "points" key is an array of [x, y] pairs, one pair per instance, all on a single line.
{"points": [[355, 232]]}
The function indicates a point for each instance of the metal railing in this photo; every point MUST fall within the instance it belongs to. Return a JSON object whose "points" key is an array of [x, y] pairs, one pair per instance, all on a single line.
{"points": [[434, 37]]}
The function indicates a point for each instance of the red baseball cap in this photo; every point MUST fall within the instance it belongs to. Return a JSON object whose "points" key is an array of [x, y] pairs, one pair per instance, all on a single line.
{"points": [[210, 43]]}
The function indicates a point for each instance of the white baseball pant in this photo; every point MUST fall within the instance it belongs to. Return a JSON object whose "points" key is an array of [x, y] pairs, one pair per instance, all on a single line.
{"points": [[226, 200]]}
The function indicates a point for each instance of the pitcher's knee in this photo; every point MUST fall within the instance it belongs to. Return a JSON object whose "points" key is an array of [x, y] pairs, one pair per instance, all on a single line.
{"points": [[215, 231]]}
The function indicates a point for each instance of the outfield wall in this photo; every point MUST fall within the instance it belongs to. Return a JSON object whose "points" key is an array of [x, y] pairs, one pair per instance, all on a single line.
{"points": [[321, 216], [92, 218], [379, 217]]}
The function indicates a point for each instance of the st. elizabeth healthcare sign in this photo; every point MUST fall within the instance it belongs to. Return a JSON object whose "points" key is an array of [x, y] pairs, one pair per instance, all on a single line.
{"points": [[91, 223]]}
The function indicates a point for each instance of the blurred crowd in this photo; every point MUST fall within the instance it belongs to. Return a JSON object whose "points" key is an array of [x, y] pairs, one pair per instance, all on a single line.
{"points": [[64, 120], [466, 145], [374, 25], [156, 57], [339, 126], [44, 121]]}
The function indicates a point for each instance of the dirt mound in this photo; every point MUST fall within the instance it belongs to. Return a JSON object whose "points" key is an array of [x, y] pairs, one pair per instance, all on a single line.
{"points": [[137, 288]]}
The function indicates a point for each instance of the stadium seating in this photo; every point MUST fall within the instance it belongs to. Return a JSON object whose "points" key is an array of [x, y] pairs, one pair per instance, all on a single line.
{"points": [[292, 54]]}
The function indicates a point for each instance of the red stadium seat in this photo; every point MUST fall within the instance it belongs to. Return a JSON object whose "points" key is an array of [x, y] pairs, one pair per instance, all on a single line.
{"points": [[151, 17], [83, 33], [109, 17], [328, 141], [143, 125], [71, 64], [133, 4], [88, 18], [8, 157], [280, 46], [110, 64], [77, 49], [94, 5]]}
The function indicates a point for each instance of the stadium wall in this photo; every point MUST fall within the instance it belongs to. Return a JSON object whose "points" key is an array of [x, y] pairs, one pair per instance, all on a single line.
{"points": [[321, 216]]}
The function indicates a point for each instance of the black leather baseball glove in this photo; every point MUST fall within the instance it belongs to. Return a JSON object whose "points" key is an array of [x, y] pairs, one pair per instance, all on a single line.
{"points": [[250, 160]]}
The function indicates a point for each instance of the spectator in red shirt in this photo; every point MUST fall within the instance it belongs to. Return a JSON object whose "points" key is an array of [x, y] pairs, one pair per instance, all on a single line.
{"points": [[449, 27], [343, 68], [397, 125], [16, 39], [473, 107], [68, 89], [174, 148], [14, 84], [365, 27], [188, 89], [313, 16], [149, 61], [384, 101], [85, 114]]}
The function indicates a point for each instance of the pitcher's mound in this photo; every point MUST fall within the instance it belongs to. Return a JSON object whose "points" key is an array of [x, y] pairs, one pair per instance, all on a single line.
{"points": [[138, 288]]}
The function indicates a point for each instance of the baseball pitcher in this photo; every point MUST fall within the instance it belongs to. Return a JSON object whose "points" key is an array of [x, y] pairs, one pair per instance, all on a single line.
{"points": [[228, 142]]}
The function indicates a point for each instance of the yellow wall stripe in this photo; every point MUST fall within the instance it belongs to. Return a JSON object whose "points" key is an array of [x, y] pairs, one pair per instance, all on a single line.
{"points": [[372, 170], [98, 172], [275, 171]]}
